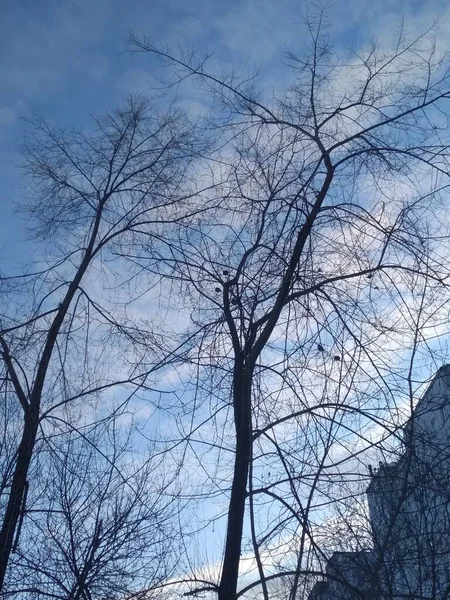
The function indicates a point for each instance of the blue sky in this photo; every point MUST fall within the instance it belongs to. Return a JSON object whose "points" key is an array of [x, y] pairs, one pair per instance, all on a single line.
{"points": [[66, 58]]}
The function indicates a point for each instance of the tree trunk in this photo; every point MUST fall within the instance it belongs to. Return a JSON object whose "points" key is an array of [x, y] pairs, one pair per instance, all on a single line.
{"points": [[242, 387], [18, 486], [31, 414]]}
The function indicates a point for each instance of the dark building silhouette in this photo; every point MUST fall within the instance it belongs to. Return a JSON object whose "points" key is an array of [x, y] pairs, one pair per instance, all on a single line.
{"points": [[409, 507]]}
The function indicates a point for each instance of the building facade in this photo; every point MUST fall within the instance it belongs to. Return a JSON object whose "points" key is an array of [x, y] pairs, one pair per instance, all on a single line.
{"points": [[409, 508]]}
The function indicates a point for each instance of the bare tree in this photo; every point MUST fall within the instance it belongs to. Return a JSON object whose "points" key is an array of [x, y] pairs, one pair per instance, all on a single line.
{"points": [[67, 322], [307, 279], [102, 523]]}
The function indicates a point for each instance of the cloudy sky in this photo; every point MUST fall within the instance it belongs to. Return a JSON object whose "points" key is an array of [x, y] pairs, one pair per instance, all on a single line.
{"points": [[64, 59]]}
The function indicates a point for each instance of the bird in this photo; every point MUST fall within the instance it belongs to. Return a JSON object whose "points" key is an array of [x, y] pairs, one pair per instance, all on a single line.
{"points": [[320, 348], [369, 276], [336, 357], [225, 272], [217, 289]]}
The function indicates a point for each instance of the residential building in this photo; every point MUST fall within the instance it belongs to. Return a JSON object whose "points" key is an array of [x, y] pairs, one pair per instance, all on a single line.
{"points": [[409, 507]]}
